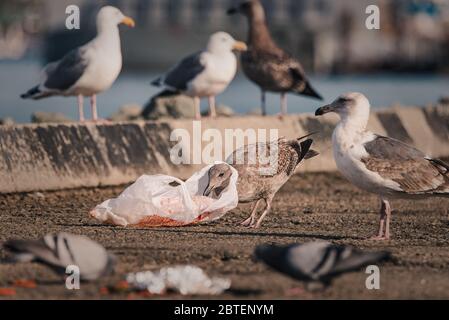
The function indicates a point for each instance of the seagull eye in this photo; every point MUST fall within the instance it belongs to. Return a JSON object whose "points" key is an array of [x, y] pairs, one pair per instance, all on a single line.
{"points": [[221, 175]]}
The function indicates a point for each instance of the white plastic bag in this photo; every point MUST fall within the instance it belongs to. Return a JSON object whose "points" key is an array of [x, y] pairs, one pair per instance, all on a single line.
{"points": [[151, 201]]}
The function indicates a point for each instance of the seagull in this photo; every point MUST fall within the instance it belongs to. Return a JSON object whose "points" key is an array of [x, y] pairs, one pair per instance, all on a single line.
{"points": [[89, 69], [270, 67], [206, 73], [381, 165], [259, 181], [316, 262], [58, 251]]}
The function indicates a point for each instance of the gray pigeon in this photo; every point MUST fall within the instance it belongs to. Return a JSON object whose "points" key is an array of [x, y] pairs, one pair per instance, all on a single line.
{"points": [[61, 250], [316, 262]]}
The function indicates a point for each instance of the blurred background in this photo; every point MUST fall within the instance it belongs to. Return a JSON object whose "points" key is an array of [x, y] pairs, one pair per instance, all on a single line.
{"points": [[405, 62]]}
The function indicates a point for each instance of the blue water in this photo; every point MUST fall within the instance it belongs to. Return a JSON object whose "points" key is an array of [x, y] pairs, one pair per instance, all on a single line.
{"points": [[242, 95]]}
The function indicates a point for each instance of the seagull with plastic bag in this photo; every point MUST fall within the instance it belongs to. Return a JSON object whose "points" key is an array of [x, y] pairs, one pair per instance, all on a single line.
{"points": [[161, 200]]}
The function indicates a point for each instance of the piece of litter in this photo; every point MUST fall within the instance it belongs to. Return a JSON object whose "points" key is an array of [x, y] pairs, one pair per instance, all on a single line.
{"points": [[186, 280], [154, 201], [25, 283], [6, 292]]}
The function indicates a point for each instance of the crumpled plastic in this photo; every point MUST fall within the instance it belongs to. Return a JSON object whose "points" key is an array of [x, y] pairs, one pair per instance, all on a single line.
{"points": [[183, 279], [153, 201]]}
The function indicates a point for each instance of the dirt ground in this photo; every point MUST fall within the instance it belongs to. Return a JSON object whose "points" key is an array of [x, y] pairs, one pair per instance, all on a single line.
{"points": [[310, 207]]}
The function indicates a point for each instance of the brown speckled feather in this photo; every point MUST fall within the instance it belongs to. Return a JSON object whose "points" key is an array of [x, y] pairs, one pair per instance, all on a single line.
{"points": [[410, 168], [255, 180], [273, 70]]}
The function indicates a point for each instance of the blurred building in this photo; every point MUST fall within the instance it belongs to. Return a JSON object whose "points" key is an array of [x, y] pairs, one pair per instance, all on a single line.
{"points": [[328, 35]]}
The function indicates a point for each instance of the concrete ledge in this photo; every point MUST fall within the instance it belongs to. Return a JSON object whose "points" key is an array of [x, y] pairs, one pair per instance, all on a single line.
{"points": [[59, 156]]}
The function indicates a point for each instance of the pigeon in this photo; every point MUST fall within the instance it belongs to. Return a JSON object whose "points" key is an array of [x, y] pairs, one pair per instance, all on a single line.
{"points": [[89, 69], [316, 262], [58, 251], [382, 165]]}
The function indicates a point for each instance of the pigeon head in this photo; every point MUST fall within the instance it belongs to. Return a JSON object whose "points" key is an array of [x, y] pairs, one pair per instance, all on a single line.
{"points": [[223, 42], [219, 179], [352, 105], [108, 16], [252, 9]]}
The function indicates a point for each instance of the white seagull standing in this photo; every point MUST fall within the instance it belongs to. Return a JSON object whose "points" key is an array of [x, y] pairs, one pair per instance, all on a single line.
{"points": [[206, 73], [382, 165], [87, 70]]}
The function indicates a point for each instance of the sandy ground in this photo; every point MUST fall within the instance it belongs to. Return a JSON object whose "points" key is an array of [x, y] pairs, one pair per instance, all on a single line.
{"points": [[309, 207]]}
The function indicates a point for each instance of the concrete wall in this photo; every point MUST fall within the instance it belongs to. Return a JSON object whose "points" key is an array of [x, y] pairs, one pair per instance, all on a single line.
{"points": [[58, 156]]}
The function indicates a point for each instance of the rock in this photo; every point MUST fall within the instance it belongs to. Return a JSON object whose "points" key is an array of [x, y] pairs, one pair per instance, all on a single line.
{"points": [[444, 100], [222, 111], [49, 117], [7, 121], [127, 113], [169, 105]]}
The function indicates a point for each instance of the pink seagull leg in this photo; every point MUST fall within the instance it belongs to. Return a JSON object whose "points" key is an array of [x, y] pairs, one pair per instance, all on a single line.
{"points": [[250, 221], [81, 108], [384, 223], [93, 105], [212, 109]]}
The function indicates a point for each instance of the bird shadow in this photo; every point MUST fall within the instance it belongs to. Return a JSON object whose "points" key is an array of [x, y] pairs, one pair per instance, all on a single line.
{"points": [[255, 234], [244, 292], [194, 230]]}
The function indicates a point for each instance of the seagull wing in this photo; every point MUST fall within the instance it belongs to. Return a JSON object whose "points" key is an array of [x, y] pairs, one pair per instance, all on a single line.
{"points": [[64, 74], [410, 168], [270, 70], [185, 71], [258, 159]]}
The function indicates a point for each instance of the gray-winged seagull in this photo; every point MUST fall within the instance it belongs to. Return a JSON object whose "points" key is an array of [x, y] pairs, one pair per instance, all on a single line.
{"points": [[58, 251], [270, 67], [382, 165], [206, 73], [261, 175], [89, 69]]}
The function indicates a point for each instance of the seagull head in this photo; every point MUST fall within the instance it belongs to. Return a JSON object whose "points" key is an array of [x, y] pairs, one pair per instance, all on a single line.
{"points": [[111, 16], [223, 42], [252, 9], [348, 105], [219, 179]]}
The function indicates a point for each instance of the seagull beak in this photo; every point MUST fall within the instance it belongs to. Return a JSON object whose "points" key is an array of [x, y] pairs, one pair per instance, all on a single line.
{"points": [[127, 21], [240, 46], [323, 110], [208, 190], [232, 11]]}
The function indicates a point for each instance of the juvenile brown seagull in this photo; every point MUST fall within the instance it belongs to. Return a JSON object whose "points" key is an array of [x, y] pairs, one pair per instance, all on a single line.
{"points": [[259, 178], [270, 67], [382, 165]]}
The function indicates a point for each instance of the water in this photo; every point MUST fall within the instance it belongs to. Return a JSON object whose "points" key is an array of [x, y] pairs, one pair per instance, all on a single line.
{"points": [[242, 95]]}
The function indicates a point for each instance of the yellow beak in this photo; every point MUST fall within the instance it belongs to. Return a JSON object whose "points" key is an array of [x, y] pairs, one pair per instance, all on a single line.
{"points": [[240, 46], [127, 21]]}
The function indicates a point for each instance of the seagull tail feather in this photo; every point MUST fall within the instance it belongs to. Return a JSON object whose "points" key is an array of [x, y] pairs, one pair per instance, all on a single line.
{"points": [[159, 82], [35, 93], [311, 154], [309, 91], [305, 150]]}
